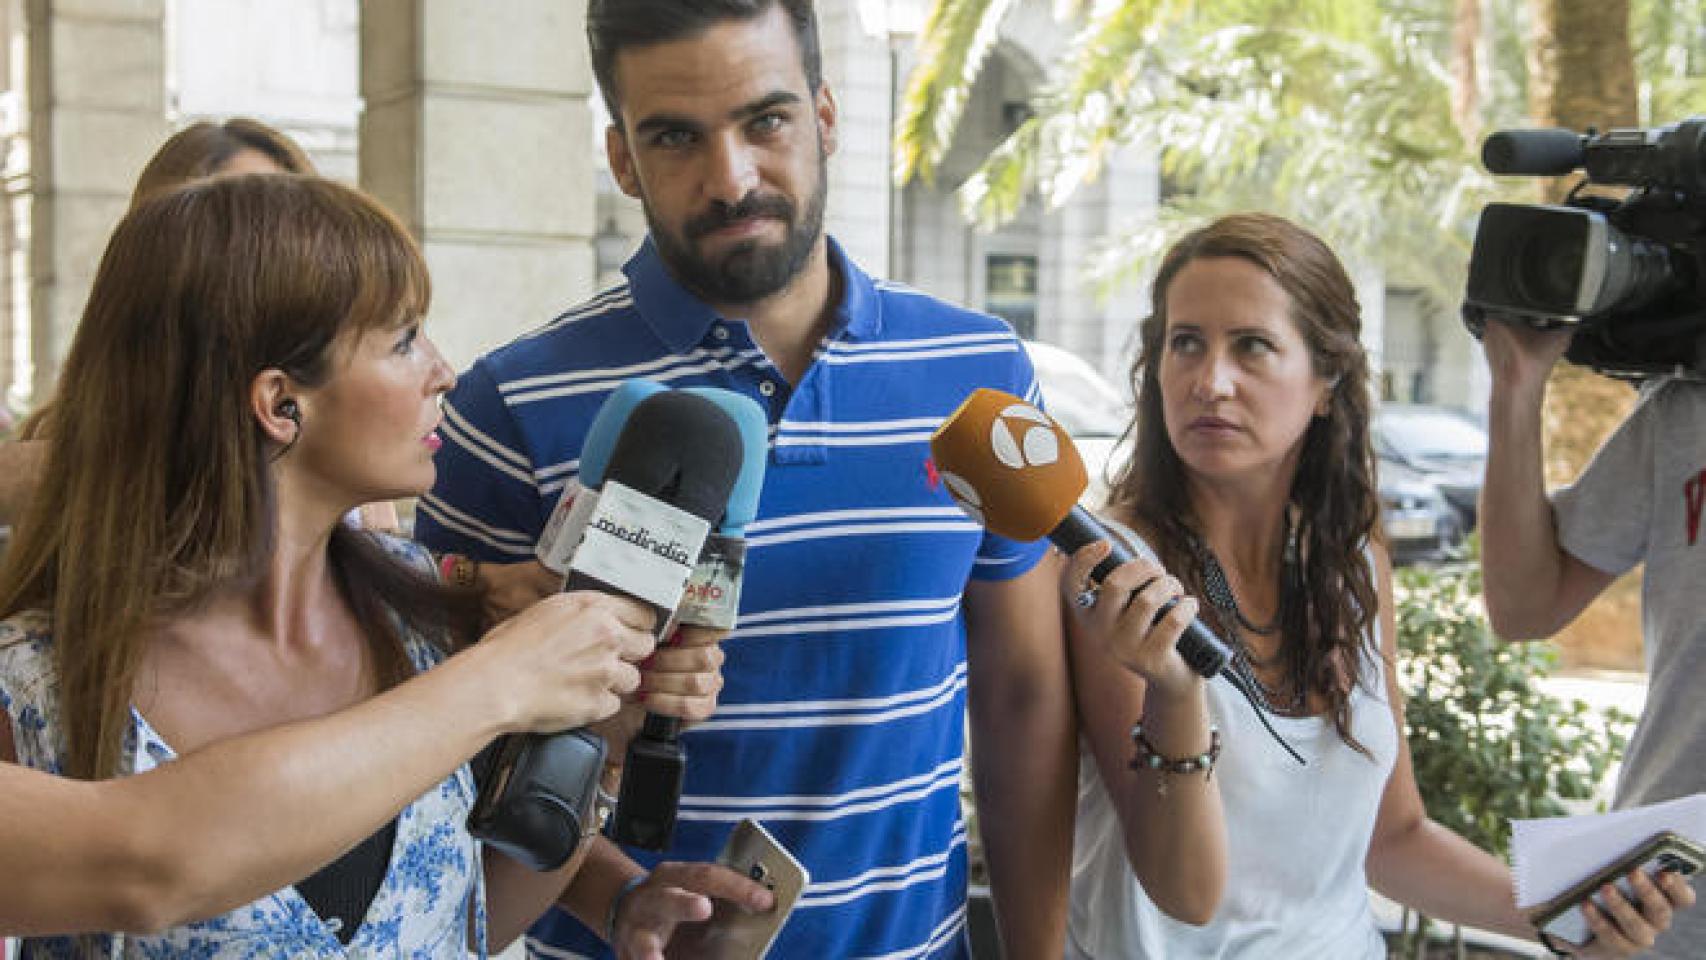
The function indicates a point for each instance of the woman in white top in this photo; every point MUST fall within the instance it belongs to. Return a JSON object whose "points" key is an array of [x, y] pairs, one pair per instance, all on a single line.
{"points": [[1252, 480]]}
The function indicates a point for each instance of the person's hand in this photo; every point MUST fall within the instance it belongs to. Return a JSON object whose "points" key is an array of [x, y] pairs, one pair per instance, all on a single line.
{"points": [[664, 917], [1122, 617], [1520, 356], [567, 660], [1624, 929], [681, 678], [510, 588]]}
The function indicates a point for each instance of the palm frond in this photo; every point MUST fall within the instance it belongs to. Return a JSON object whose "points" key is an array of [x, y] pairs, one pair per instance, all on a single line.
{"points": [[955, 42]]}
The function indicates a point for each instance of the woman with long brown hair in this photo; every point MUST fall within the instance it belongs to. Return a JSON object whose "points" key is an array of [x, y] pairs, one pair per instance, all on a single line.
{"points": [[239, 145], [250, 366], [1252, 481]]}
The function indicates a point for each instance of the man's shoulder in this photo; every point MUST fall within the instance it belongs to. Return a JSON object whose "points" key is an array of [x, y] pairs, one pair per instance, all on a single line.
{"points": [[602, 328]]}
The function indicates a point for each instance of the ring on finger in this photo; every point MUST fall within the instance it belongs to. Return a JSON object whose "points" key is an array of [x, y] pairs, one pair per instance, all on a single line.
{"points": [[1087, 596]]}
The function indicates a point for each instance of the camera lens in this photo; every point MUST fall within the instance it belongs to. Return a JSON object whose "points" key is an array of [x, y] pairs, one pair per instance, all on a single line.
{"points": [[1549, 272], [1639, 273]]}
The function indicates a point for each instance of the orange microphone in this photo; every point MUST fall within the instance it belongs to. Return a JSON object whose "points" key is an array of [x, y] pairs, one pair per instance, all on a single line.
{"points": [[1016, 472]]}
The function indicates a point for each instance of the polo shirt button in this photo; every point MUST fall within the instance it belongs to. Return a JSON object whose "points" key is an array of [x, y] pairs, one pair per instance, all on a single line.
{"points": [[720, 332], [767, 388]]}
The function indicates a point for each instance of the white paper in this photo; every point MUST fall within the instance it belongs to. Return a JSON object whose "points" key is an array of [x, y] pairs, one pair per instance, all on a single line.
{"points": [[643, 547], [1553, 854], [563, 532]]}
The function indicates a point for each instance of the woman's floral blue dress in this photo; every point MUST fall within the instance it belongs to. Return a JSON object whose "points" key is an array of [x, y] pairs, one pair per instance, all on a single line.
{"points": [[432, 901]]}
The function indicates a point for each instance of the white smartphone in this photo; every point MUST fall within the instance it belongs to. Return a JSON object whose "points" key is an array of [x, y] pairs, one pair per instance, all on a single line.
{"points": [[737, 934]]}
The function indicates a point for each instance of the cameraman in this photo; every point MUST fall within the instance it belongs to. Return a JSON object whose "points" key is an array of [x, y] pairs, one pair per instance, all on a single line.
{"points": [[1640, 499]]}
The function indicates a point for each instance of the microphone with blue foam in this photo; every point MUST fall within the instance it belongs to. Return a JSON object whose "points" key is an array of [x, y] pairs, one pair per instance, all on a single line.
{"points": [[562, 533], [655, 768], [673, 464], [1016, 472], [713, 595]]}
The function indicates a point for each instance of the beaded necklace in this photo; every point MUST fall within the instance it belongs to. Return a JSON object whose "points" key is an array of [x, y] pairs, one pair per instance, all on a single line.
{"points": [[1288, 699]]}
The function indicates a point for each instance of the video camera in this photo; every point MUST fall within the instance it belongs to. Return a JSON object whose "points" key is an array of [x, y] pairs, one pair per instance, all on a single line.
{"points": [[1629, 274]]}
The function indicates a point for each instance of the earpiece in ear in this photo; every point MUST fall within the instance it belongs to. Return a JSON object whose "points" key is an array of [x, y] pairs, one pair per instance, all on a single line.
{"points": [[289, 410]]}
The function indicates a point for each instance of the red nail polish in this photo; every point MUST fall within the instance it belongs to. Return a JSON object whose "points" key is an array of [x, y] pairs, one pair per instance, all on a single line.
{"points": [[646, 664], [675, 637], [639, 696]]}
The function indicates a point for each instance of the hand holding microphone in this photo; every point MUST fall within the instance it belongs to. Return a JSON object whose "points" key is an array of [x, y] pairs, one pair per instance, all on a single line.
{"points": [[566, 661], [1138, 612], [656, 763], [1015, 471], [670, 472]]}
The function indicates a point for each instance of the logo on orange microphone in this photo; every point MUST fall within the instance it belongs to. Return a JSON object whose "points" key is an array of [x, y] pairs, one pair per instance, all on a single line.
{"points": [[1007, 465], [1023, 437], [1020, 437]]}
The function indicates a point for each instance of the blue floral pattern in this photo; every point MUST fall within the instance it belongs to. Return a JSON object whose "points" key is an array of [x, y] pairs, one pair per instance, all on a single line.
{"points": [[431, 904]]}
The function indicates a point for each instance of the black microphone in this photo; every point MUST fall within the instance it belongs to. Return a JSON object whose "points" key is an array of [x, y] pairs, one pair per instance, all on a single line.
{"points": [[656, 766], [1548, 152], [669, 479], [1201, 650], [1016, 472]]}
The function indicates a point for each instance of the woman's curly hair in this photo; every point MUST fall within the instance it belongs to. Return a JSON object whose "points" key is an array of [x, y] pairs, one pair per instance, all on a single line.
{"points": [[1334, 494]]}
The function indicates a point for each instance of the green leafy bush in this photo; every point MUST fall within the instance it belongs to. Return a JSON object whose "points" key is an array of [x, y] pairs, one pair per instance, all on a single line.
{"points": [[1488, 744]]}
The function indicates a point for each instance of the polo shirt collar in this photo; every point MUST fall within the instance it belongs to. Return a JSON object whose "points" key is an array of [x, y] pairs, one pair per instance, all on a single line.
{"points": [[681, 320], [860, 313]]}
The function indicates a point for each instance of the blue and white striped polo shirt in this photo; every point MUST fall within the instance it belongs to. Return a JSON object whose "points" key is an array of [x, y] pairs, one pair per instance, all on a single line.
{"points": [[841, 722]]}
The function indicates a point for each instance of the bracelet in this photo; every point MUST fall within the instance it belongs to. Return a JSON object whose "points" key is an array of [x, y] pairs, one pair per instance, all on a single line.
{"points": [[458, 571], [1148, 758], [616, 905]]}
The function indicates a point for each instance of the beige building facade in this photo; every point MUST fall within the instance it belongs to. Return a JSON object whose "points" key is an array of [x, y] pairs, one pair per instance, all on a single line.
{"points": [[479, 124]]}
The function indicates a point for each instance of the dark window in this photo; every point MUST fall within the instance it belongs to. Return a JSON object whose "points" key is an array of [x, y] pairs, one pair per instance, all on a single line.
{"points": [[1011, 284]]}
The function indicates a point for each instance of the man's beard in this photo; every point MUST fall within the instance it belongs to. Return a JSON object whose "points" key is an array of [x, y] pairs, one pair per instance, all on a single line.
{"points": [[751, 270]]}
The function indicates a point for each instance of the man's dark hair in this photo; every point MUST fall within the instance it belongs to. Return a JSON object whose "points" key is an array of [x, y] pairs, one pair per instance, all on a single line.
{"points": [[616, 25]]}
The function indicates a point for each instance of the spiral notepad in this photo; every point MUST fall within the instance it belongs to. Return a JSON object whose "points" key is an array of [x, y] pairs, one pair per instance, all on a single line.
{"points": [[1550, 855]]}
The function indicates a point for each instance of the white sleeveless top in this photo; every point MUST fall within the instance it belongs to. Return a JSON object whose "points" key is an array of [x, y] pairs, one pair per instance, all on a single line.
{"points": [[1297, 839]]}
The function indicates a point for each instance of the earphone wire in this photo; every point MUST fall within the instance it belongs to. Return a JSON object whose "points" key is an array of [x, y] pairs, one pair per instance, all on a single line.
{"points": [[1239, 685]]}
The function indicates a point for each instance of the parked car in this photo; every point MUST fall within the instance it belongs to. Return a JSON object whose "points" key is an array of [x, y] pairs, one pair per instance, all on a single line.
{"points": [[1446, 448], [1090, 409], [1421, 521]]}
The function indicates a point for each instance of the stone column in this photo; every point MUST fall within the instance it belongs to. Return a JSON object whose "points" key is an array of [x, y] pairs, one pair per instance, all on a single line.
{"points": [[97, 112], [859, 68], [478, 134], [1097, 328]]}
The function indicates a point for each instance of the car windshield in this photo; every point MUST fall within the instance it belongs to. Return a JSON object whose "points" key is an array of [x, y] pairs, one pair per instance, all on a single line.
{"points": [[1433, 435], [1079, 398]]}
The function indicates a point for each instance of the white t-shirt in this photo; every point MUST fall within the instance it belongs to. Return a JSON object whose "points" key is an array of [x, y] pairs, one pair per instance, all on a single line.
{"points": [[1642, 498], [1297, 839]]}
